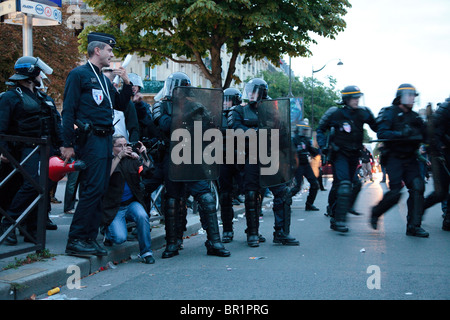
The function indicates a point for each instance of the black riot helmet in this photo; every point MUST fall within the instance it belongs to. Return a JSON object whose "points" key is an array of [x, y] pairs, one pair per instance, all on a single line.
{"points": [[350, 92], [231, 97], [176, 79], [404, 91], [255, 90], [303, 129], [29, 68]]}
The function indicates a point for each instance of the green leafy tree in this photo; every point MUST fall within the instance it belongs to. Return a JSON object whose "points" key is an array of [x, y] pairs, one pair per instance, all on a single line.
{"points": [[188, 31], [325, 96]]}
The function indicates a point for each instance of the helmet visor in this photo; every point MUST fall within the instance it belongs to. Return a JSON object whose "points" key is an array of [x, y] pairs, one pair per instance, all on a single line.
{"points": [[253, 92], [45, 68], [173, 82], [305, 131]]}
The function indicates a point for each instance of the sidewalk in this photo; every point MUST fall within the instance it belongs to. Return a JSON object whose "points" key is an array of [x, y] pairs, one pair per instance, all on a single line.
{"points": [[39, 277]]}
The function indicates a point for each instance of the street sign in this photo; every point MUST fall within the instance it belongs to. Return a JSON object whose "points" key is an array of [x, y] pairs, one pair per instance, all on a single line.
{"points": [[41, 11], [7, 7]]}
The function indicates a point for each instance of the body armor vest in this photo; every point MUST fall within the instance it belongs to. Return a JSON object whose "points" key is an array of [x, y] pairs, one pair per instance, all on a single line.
{"points": [[29, 121], [405, 147], [250, 117], [349, 133]]}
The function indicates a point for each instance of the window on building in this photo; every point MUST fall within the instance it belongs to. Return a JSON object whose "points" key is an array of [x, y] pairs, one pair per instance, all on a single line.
{"points": [[150, 73]]}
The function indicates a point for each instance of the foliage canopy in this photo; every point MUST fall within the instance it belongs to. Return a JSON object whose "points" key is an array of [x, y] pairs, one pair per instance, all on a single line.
{"points": [[187, 31]]}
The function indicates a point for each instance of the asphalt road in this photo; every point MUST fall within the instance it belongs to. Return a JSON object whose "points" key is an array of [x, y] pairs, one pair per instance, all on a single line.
{"points": [[366, 264]]}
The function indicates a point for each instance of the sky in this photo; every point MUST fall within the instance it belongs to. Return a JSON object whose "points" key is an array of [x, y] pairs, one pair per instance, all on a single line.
{"points": [[385, 44]]}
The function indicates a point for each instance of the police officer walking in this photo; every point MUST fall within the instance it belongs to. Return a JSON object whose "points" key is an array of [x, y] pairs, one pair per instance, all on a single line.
{"points": [[304, 148], [344, 146], [440, 153], [27, 111], [402, 131], [89, 99]]}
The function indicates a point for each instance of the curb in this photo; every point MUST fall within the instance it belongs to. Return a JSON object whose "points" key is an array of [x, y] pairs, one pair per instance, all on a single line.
{"points": [[39, 277]]}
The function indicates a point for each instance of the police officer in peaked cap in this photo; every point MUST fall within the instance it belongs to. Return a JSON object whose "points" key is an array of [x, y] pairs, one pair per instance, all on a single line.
{"points": [[89, 99]]}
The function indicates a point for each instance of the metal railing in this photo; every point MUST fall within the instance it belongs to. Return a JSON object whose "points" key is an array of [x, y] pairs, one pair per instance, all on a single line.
{"points": [[41, 146], [152, 86]]}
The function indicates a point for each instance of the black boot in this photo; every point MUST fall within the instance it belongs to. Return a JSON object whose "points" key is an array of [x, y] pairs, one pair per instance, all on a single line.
{"points": [[311, 207], [208, 213], [99, 250], [252, 217], [11, 239], [279, 236], [79, 247], [172, 209], [49, 225], [343, 203], [415, 204], [416, 231]]}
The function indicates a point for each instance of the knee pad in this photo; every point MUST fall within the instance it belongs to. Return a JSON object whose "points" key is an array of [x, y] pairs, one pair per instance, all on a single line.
{"points": [[251, 197], [345, 188], [207, 202]]}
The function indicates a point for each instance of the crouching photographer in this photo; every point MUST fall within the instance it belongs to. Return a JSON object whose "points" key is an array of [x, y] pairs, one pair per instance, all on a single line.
{"points": [[124, 199]]}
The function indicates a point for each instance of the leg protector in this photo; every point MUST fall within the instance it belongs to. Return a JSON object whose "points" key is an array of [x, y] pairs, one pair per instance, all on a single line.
{"points": [[208, 213], [415, 202], [252, 204], [181, 222], [415, 209], [227, 215], [172, 210]]}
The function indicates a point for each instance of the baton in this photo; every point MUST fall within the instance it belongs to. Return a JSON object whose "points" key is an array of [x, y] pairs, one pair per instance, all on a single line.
{"points": [[416, 138]]}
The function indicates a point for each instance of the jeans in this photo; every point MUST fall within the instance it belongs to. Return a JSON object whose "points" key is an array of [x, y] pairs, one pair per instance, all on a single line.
{"points": [[117, 230]]}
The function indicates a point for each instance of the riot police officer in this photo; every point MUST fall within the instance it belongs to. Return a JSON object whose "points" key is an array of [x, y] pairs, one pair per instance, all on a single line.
{"points": [[27, 111], [246, 118], [304, 148], [402, 131], [440, 157], [344, 146], [228, 172], [175, 191], [89, 99]]}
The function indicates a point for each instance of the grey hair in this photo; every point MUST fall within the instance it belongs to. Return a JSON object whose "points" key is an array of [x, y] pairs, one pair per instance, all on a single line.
{"points": [[117, 137], [95, 44]]}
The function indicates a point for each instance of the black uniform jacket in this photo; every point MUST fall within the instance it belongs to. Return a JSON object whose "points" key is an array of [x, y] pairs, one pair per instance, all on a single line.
{"points": [[85, 100]]}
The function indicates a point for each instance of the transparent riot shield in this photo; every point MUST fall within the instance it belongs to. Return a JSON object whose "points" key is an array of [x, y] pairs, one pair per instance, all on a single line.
{"points": [[196, 144], [274, 142]]}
